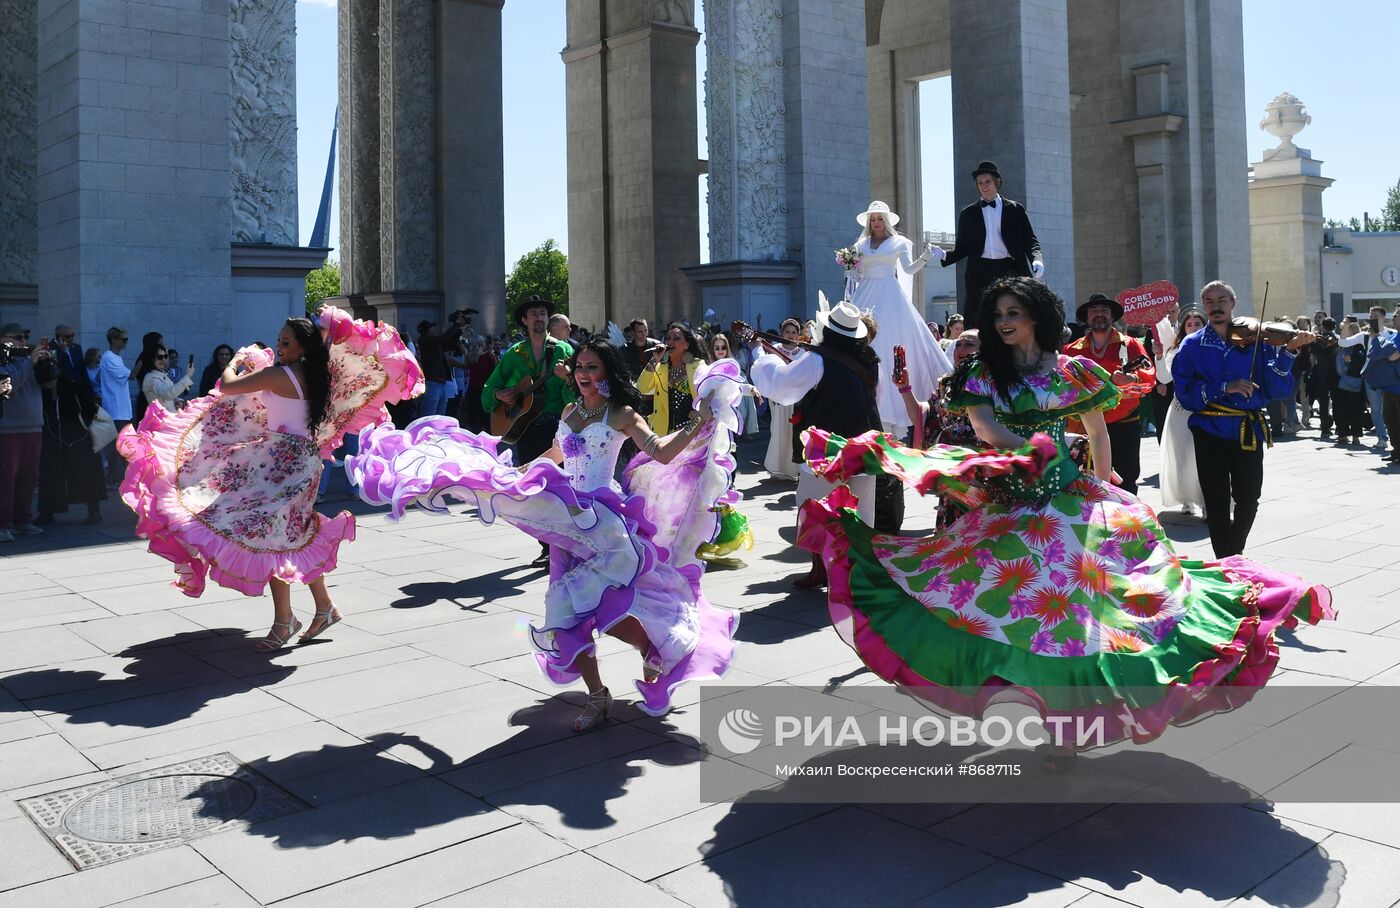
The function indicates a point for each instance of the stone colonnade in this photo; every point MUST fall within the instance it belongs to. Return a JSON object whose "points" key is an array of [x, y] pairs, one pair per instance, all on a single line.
{"points": [[421, 187]]}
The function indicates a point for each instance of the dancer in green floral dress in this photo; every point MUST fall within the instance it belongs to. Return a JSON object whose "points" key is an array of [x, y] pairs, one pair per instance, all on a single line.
{"points": [[1055, 585]]}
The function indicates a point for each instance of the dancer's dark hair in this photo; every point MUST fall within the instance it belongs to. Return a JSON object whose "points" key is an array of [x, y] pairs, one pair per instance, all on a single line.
{"points": [[692, 343], [619, 376], [1044, 307], [316, 369]]}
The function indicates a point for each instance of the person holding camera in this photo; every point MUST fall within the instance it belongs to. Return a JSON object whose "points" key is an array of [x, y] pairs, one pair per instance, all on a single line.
{"points": [[21, 429], [114, 390]]}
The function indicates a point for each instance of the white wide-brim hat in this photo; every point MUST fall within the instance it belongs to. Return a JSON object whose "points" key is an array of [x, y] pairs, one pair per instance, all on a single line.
{"points": [[881, 208], [843, 318]]}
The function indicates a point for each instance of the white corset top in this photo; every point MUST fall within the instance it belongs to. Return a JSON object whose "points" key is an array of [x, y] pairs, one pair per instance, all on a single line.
{"points": [[590, 456], [884, 261]]}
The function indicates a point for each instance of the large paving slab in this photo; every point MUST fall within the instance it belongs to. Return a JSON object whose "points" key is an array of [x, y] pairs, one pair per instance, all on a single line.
{"points": [[437, 766]]}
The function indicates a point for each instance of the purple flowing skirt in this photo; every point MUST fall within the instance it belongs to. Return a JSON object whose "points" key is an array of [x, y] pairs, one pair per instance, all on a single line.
{"points": [[615, 555]]}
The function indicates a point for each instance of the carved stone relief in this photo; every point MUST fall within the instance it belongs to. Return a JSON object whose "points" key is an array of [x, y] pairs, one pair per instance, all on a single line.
{"points": [[745, 116], [673, 12], [263, 124], [19, 150], [408, 146]]}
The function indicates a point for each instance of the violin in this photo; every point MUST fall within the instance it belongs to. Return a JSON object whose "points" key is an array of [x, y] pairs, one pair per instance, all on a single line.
{"points": [[746, 333], [1245, 331]]}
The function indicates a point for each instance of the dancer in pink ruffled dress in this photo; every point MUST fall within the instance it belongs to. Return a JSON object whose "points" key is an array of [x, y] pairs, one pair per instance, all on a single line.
{"points": [[623, 557], [226, 488]]}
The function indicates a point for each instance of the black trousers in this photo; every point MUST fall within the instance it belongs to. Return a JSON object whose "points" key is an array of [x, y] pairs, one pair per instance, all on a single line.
{"points": [[980, 274], [1322, 396], [889, 504], [1228, 473], [1161, 403], [537, 438], [1125, 440], [1350, 407]]}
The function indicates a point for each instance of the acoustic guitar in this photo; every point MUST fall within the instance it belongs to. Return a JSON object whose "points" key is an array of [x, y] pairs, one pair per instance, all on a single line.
{"points": [[509, 421]]}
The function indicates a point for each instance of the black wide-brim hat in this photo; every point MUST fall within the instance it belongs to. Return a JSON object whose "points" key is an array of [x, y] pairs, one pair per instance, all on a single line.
{"points": [[987, 167], [1098, 299], [530, 302]]}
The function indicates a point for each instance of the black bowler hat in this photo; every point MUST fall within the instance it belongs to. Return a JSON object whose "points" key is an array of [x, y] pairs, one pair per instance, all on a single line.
{"points": [[1098, 299], [986, 167], [530, 302]]}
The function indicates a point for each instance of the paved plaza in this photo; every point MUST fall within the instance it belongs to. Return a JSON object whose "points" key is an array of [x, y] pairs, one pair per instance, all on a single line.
{"points": [[438, 766]]}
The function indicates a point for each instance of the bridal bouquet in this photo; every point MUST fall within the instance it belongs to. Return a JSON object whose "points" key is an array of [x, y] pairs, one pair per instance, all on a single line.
{"points": [[847, 257]]}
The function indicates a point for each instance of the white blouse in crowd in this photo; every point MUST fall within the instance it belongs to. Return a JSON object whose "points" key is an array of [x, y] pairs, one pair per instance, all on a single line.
{"points": [[785, 383], [158, 388]]}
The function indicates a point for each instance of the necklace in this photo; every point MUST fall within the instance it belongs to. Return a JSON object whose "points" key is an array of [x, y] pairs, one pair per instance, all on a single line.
{"points": [[587, 415], [1097, 348], [1032, 366]]}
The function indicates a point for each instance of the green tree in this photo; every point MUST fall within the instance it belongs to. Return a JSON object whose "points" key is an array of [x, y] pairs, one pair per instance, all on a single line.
{"points": [[543, 270], [1354, 225], [1390, 211], [322, 283]]}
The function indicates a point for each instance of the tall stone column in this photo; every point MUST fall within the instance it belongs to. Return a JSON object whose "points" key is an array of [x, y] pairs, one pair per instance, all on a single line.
{"points": [[785, 101], [471, 166], [359, 147], [1285, 214], [19, 156], [633, 173], [134, 213], [1011, 105], [746, 130], [1150, 133], [263, 123], [828, 138], [408, 203]]}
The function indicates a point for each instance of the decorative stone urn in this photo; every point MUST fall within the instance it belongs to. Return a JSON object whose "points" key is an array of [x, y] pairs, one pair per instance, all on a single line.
{"points": [[1284, 118]]}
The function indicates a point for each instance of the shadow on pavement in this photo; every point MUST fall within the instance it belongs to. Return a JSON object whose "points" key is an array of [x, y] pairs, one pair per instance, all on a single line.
{"points": [[164, 683], [896, 851], [430, 592]]}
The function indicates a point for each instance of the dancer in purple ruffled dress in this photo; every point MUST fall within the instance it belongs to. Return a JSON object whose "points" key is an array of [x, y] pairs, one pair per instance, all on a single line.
{"points": [[623, 557]]}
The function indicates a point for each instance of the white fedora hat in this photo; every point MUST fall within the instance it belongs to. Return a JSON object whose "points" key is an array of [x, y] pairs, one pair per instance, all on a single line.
{"points": [[880, 208], [843, 318]]}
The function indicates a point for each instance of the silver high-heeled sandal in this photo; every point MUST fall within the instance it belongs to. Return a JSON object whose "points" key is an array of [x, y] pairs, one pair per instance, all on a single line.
{"points": [[595, 713], [652, 666], [275, 641], [329, 617]]}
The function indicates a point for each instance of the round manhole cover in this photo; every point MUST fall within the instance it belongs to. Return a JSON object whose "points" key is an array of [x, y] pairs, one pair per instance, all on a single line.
{"points": [[159, 808]]}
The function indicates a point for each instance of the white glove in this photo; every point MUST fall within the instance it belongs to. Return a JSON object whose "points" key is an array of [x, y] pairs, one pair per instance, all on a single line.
{"points": [[1038, 270], [937, 252]]}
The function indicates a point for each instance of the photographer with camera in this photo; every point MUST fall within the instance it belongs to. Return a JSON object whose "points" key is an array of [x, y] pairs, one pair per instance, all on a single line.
{"points": [[21, 429]]}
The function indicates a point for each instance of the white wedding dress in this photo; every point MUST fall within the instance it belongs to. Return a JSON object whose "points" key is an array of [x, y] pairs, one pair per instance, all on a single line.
{"points": [[883, 287], [1181, 484]]}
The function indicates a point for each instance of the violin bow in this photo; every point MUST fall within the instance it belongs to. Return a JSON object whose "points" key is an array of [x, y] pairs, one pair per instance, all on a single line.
{"points": [[1259, 335]]}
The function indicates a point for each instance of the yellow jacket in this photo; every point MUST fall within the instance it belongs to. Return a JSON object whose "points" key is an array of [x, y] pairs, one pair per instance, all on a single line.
{"points": [[657, 383]]}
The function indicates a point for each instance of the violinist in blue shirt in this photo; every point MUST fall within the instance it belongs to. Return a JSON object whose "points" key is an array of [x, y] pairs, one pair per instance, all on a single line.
{"points": [[1227, 386]]}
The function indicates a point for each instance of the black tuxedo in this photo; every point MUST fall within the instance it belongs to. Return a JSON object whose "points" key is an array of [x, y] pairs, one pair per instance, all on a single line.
{"points": [[1016, 234]]}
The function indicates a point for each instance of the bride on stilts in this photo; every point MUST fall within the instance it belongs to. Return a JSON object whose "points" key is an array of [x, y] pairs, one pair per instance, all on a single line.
{"points": [[883, 286]]}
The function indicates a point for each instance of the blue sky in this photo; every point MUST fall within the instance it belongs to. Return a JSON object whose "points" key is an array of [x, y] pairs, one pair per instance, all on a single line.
{"points": [[1341, 71]]}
